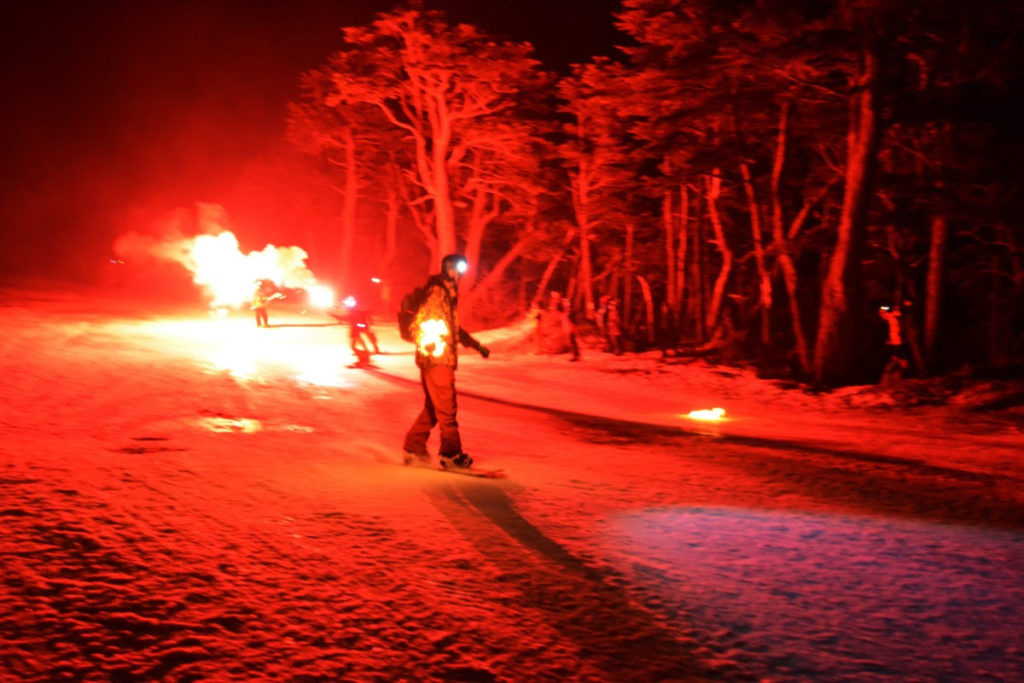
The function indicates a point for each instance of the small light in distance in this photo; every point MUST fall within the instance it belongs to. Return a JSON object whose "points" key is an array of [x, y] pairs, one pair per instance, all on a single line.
{"points": [[375, 280], [349, 301], [707, 415], [321, 296]]}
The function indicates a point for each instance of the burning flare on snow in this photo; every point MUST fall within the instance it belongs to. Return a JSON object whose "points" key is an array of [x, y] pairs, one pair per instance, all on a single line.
{"points": [[321, 296], [220, 268], [712, 415]]}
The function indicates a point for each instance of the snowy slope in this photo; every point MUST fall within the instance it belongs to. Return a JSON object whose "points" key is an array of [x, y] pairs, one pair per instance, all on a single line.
{"points": [[188, 498]]}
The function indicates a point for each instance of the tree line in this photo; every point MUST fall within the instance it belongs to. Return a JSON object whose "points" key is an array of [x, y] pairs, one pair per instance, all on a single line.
{"points": [[761, 174]]}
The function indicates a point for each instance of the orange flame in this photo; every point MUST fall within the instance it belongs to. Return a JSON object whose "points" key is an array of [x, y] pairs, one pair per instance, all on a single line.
{"points": [[220, 268], [712, 415], [431, 337]]}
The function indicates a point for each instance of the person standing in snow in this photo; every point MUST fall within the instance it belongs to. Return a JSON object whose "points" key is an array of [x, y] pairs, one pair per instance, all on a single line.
{"points": [[567, 317], [613, 327], [535, 316], [264, 291], [437, 333], [897, 364], [601, 313], [667, 334]]}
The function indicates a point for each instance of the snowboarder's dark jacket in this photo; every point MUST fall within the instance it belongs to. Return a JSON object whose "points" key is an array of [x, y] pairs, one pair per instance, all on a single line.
{"points": [[436, 326]]}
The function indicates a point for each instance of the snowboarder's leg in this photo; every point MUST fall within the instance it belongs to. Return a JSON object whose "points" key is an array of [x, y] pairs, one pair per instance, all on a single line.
{"points": [[416, 437], [440, 384]]}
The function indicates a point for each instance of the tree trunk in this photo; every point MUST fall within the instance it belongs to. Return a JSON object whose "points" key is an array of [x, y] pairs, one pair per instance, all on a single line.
{"points": [[714, 190], [933, 286], [648, 307], [444, 214], [995, 309], [834, 345], [627, 294], [680, 278], [764, 277], [699, 270], [496, 273], [581, 208], [485, 207], [781, 242], [549, 270], [667, 220], [350, 200], [437, 241], [390, 228], [419, 216]]}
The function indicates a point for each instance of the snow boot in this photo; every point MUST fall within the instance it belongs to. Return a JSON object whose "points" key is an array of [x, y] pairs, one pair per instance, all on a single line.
{"points": [[416, 459], [459, 461]]}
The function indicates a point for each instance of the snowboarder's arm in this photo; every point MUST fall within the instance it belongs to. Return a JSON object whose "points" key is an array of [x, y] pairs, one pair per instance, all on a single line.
{"points": [[466, 339]]}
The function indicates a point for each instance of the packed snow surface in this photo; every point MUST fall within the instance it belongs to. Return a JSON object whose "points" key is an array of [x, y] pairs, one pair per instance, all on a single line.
{"points": [[186, 497]]}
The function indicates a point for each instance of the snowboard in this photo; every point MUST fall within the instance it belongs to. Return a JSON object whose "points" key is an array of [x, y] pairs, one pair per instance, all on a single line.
{"points": [[478, 472]]}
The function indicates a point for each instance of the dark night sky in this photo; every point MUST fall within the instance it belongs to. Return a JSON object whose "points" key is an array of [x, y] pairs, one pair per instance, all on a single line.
{"points": [[119, 105]]}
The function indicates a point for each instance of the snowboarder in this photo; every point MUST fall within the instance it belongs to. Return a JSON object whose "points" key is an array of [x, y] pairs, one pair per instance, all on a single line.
{"points": [[360, 333], [437, 332]]}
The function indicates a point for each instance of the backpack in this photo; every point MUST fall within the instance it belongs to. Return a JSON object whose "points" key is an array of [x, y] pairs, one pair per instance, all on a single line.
{"points": [[408, 309]]}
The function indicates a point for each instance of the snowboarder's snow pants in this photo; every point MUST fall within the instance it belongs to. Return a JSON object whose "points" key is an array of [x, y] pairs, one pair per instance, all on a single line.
{"points": [[439, 408]]}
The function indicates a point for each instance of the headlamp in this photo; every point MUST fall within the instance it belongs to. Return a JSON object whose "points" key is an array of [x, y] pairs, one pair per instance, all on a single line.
{"points": [[461, 266]]}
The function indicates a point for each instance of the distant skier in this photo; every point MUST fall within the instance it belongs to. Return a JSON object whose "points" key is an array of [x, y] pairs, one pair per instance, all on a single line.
{"points": [[437, 332]]}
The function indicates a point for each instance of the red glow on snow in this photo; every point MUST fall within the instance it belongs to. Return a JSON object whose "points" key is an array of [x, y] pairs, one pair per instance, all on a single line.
{"points": [[231, 425], [231, 344]]}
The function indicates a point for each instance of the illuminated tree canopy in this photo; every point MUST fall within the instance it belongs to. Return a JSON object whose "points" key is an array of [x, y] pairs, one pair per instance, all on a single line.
{"points": [[752, 179]]}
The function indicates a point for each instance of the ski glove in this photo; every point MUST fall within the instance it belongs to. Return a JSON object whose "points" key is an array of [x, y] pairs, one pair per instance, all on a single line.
{"points": [[484, 351]]}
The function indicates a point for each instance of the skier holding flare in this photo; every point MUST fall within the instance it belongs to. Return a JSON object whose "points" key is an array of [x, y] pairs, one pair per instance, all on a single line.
{"points": [[437, 332]]}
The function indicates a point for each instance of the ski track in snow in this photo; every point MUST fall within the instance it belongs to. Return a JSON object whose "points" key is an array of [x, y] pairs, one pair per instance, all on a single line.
{"points": [[182, 500]]}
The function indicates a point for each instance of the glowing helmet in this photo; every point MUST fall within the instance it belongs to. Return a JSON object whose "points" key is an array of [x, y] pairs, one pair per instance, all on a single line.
{"points": [[458, 261]]}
